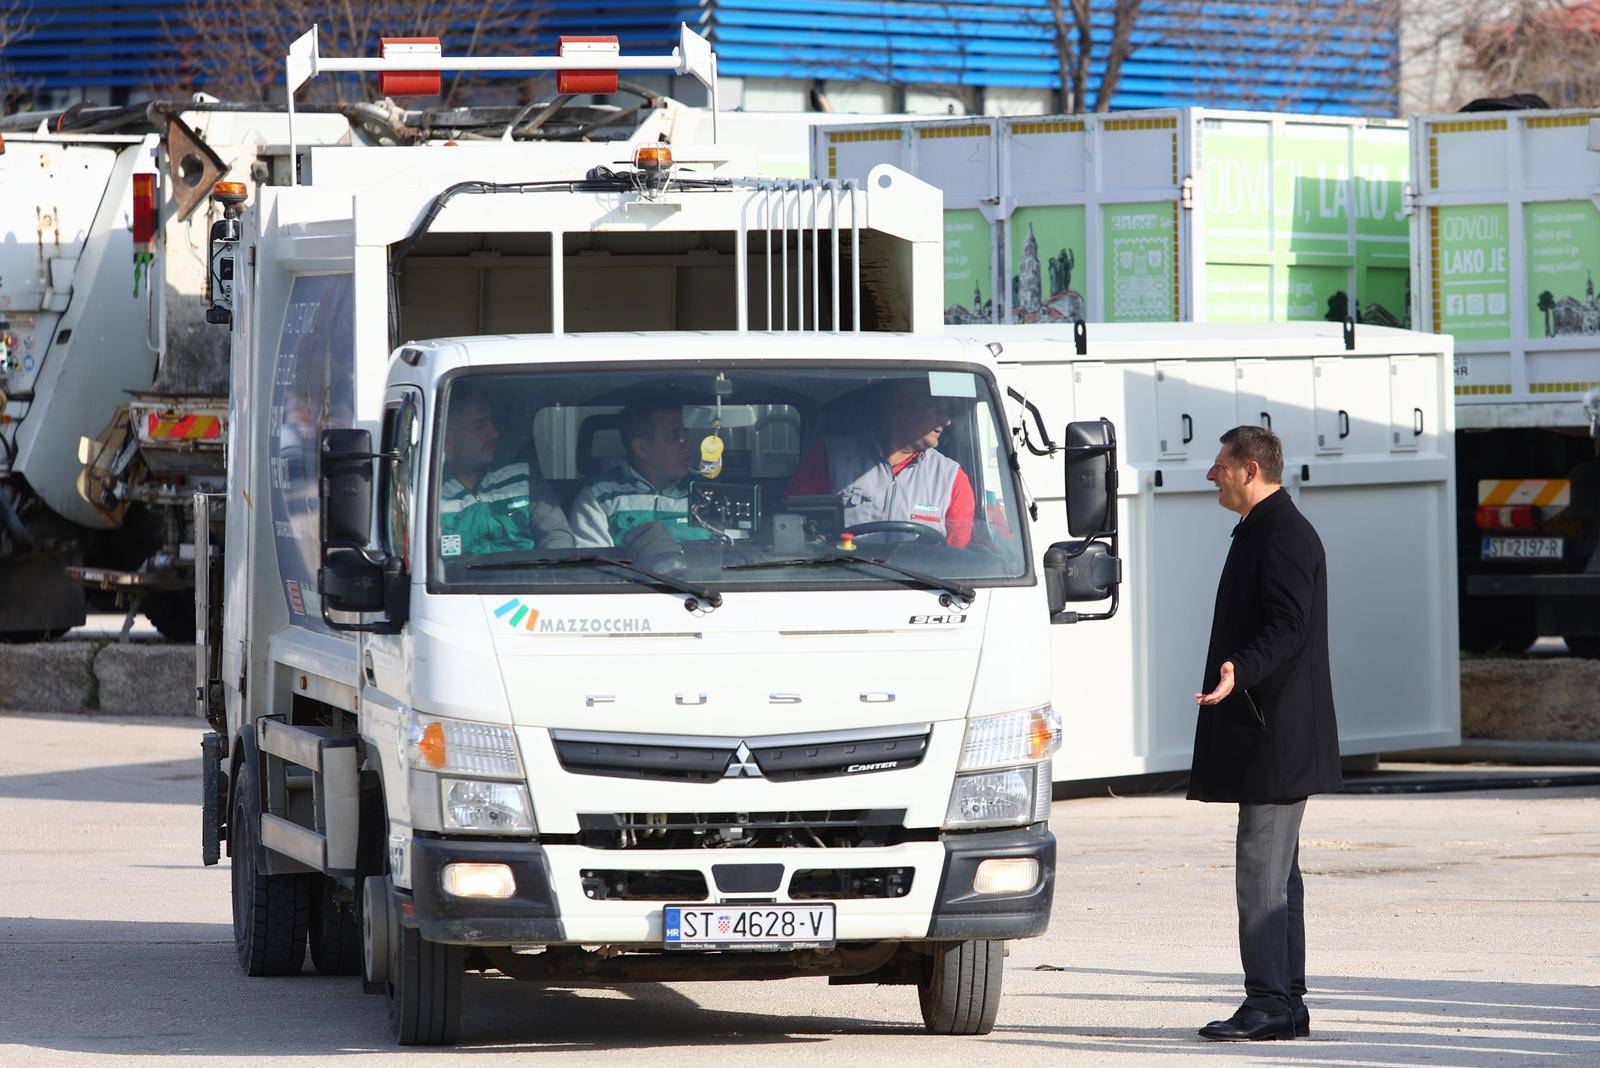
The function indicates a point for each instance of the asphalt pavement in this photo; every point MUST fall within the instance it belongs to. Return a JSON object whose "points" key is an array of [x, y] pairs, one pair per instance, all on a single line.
{"points": [[1448, 929]]}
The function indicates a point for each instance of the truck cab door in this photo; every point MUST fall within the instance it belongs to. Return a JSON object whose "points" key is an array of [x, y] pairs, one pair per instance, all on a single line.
{"points": [[384, 675]]}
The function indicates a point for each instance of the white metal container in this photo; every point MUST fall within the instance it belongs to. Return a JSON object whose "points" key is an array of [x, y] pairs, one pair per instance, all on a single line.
{"points": [[1156, 216], [1369, 458], [1506, 249]]}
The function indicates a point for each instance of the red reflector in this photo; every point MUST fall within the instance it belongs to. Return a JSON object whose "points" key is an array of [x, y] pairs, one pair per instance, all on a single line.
{"points": [[1506, 517], [410, 82], [601, 81], [144, 211]]}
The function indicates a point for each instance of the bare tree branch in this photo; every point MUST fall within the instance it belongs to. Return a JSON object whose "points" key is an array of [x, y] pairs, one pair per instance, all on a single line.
{"points": [[236, 50], [17, 24]]}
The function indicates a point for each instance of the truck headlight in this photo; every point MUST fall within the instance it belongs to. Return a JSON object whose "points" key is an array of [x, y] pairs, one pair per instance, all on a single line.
{"points": [[485, 807], [1011, 738], [435, 744], [993, 798]]}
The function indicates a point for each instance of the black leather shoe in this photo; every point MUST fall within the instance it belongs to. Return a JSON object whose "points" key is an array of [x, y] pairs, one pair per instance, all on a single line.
{"points": [[1302, 1019], [1250, 1025]]}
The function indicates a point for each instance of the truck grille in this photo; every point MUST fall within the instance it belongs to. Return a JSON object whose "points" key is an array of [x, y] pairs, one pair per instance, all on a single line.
{"points": [[779, 758], [831, 829]]}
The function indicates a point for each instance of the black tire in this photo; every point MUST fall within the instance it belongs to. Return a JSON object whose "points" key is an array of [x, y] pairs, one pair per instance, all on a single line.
{"points": [[1584, 645], [424, 989], [960, 988], [1498, 624], [335, 930], [172, 613], [270, 912]]}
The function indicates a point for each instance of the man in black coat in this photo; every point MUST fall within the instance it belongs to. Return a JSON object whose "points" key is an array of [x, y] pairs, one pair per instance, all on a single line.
{"points": [[1266, 738]]}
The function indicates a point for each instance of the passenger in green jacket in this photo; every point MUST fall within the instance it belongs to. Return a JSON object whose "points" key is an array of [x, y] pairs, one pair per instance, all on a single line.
{"points": [[484, 508], [651, 486]]}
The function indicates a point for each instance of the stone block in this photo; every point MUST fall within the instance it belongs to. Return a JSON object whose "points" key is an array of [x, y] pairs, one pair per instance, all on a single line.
{"points": [[1531, 699], [146, 679], [47, 677]]}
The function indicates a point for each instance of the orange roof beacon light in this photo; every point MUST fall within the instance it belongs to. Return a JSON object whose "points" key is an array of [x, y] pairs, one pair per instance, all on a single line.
{"points": [[230, 194]]}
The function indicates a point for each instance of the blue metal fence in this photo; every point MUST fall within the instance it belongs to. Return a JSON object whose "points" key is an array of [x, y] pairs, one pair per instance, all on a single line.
{"points": [[1231, 55]]}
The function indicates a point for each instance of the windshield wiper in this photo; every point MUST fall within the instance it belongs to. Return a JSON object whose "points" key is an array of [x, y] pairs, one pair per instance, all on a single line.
{"points": [[959, 591], [698, 592]]}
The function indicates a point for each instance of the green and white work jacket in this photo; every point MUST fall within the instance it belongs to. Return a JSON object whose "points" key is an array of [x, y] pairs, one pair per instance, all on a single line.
{"points": [[609, 506], [502, 513]]}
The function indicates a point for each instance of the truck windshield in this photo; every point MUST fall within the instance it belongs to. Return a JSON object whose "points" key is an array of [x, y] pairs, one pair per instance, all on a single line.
{"points": [[732, 476]]}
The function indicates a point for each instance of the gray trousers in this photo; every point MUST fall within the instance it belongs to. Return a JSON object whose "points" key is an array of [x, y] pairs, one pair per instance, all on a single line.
{"points": [[1272, 926]]}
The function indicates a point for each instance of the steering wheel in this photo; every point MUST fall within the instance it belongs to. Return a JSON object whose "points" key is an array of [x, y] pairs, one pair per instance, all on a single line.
{"points": [[920, 531]]}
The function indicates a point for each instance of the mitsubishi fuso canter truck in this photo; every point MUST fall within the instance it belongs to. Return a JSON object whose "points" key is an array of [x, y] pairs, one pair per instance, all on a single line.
{"points": [[624, 579]]}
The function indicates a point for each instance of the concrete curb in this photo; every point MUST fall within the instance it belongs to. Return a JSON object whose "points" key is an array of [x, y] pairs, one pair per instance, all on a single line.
{"points": [[143, 679], [1545, 700], [146, 679]]}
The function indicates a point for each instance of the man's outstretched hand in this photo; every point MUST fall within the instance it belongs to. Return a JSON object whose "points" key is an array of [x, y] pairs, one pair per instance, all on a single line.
{"points": [[1224, 687]]}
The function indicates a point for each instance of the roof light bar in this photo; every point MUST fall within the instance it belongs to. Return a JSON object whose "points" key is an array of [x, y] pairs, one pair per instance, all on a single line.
{"points": [[693, 57]]}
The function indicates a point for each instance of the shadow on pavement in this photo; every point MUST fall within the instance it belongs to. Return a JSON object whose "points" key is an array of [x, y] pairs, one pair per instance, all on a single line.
{"points": [[106, 987], [156, 782], [1463, 1022]]}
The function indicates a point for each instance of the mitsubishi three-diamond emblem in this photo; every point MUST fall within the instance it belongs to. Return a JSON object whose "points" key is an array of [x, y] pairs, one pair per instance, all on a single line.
{"points": [[742, 764]]}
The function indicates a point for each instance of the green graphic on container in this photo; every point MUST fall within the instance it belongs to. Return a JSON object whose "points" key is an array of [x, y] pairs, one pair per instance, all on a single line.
{"points": [[1140, 268], [1383, 233], [1278, 215], [1311, 187], [1473, 300], [1306, 292], [1237, 293], [1048, 272], [968, 241], [1563, 239]]}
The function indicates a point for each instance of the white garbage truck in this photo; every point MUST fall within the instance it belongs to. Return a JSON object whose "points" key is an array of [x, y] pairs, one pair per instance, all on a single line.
{"points": [[624, 578]]}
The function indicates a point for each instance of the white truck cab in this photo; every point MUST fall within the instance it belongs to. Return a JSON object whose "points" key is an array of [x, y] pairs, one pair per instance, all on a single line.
{"points": [[624, 580]]}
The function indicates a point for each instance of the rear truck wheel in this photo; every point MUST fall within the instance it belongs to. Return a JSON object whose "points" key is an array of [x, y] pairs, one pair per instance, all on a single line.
{"points": [[1505, 624], [335, 929], [171, 612], [270, 912], [1584, 645], [960, 987], [424, 987]]}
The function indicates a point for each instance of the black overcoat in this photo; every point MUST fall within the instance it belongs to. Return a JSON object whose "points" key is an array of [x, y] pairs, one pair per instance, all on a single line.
{"points": [[1274, 737]]}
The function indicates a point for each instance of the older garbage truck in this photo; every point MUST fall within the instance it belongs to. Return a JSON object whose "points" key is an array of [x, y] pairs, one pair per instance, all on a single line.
{"points": [[624, 579]]}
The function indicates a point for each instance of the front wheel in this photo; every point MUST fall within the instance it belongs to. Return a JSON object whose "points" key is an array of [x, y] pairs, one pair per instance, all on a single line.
{"points": [[270, 912], [960, 987], [424, 989]]}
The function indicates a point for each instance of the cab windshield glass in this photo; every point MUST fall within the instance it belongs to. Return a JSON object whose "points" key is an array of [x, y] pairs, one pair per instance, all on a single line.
{"points": [[731, 476]]}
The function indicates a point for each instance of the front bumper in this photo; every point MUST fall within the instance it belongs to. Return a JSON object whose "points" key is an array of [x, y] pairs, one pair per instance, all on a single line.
{"points": [[551, 907]]}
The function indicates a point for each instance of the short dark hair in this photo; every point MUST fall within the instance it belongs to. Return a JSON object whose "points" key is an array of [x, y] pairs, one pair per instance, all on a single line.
{"points": [[1257, 443], [638, 421]]}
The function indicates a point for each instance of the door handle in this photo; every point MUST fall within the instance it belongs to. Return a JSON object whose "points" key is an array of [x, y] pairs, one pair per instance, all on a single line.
{"points": [[1344, 424], [1416, 422], [1188, 428]]}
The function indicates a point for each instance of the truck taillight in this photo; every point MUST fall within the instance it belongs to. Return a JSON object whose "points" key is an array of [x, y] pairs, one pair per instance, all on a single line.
{"points": [[144, 212], [1506, 517]]}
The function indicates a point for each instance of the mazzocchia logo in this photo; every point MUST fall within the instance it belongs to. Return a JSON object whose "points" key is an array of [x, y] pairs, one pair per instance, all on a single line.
{"points": [[517, 615]]}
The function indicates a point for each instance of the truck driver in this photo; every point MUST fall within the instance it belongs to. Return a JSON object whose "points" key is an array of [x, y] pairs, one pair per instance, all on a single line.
{"points": [[650, 486], [489, 509], [894, 471]]}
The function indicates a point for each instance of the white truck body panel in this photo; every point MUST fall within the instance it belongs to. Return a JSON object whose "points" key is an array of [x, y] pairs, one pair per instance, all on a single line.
{"points": [[1508, 211], [1151, 216], [1381, 498]]}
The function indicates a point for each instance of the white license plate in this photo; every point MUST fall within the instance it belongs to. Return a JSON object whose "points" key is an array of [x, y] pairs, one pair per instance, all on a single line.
{"points": [[747, 926], [1521, 548]]}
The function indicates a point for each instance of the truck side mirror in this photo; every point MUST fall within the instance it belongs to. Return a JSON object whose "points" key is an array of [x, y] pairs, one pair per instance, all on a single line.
{"points": [[220, 271], [354, 578], [1091, 454], [1089, 568]]}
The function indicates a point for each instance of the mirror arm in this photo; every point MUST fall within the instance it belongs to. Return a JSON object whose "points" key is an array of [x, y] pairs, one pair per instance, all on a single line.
{"points": [[1050, 447]]}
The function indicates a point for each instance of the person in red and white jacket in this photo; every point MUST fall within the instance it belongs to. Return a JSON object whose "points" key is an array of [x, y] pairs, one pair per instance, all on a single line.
{"points": [[893, 471]]}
